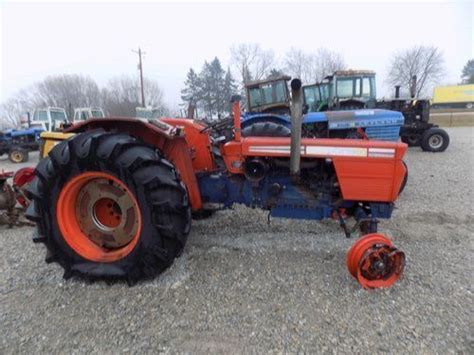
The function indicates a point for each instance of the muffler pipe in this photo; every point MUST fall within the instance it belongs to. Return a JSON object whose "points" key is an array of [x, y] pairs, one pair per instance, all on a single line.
{"points": [[397, 91], [296, 110]]}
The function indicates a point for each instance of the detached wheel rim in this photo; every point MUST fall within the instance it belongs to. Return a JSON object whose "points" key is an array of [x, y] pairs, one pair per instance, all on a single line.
{"points": [[436, 141], [99, 217], [375, 262]]}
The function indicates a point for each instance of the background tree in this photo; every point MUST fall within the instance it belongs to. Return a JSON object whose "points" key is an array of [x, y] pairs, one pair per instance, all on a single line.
{"points": [[425, 62], [468, 72], [14, 108], [192, 87], [251, 61], [325, 62], [298, 64], [121, 96], [312, 67], [210, 90], [68, 91], [275, 73]]}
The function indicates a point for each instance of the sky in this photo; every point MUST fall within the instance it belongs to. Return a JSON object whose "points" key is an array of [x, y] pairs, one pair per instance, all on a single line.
{"points": [[97, 39]]}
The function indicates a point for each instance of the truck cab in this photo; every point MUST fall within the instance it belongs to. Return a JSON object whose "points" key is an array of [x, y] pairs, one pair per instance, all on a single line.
{"points": [[49, 119]]}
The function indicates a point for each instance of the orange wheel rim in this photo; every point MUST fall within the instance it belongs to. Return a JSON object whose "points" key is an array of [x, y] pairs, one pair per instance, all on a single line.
{"points": [[371, 252], [99, 217]]}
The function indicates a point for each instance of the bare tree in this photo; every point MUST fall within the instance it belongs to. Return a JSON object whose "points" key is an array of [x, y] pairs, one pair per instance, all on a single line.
{"points": [[324, 63], [251, 61], [122, 96], [297, 63], [67, 91], [426, 62], [12, 109], [312, 67]]}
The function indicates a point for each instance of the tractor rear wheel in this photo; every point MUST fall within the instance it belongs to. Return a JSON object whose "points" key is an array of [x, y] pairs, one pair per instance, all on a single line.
{"points": [[18, 155], [109, 207], [266, 129], [435, 140]]}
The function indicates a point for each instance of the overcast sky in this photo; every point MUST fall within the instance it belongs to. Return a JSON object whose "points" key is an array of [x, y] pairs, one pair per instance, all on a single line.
{"points": [[96, 39]]}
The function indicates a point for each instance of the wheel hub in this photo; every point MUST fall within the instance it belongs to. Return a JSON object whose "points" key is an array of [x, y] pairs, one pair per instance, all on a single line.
{"points": [[16, 157], [375, 262], [106, 213], [435, 141]]}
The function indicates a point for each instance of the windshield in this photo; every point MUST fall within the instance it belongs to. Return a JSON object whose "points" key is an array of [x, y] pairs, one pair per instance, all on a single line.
{"points": [[312, 97], [355, 87], [344, 88], [268, 94], [58, 115], [324, 91], [97, 113]]}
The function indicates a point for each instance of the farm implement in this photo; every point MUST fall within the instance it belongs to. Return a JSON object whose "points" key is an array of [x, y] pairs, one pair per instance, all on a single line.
{"points": [[13, 196], [115, 200]]}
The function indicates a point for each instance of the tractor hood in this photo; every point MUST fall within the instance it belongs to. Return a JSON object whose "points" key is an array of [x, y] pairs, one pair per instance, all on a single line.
{"points": [[356, 118]]}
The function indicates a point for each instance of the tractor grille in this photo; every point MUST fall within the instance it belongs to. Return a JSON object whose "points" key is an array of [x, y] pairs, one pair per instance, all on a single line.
{"points": [[383, 133]]}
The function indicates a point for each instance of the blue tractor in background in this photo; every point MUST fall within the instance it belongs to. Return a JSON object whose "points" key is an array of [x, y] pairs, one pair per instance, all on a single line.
{"points": [[18, 143], [268, 114]]}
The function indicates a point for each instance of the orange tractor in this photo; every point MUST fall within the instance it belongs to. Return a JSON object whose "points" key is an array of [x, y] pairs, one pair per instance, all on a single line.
{"points": [[116, 200]]}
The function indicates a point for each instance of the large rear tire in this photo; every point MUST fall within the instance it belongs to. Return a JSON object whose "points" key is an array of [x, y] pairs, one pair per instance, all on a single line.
{"points": [[109, 207]]}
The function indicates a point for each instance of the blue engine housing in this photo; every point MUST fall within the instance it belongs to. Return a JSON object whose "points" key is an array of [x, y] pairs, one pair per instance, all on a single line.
{"points": [[378, 124], [277, 194]]}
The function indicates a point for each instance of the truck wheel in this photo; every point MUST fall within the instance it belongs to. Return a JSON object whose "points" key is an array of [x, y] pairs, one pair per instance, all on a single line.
{"points": [[18, 155], [266, 129], [435, 140], [109, 207]]}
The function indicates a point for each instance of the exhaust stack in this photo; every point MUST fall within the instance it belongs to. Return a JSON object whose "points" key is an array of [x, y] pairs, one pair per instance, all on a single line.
{"points": [[235, 99], [397, 91], [296, 115], [413, 84]]}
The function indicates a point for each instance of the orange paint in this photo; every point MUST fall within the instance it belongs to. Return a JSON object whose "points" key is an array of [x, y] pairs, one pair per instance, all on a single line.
{"points": [[69, 226]]}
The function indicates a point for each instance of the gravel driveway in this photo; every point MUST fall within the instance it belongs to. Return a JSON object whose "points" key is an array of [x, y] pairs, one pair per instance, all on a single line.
{"points": [[245, 286]]}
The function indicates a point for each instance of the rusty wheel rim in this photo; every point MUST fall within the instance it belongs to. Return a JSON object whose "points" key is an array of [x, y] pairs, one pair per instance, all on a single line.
{"points": [[99, 217], [375, 262]]}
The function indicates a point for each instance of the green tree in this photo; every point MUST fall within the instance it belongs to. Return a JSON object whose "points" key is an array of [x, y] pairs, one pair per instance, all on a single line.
{"points": [[210, 90], [192, 87], [468, 72]]}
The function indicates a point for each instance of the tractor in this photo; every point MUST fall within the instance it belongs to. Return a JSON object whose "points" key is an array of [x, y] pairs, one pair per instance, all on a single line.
{"points": [[116, 199], [268, 114], [49, 118], [84, 113], [17, 143], [355, 89]]}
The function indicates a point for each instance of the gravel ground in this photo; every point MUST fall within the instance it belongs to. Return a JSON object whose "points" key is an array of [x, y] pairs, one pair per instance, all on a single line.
{"points": [[245, 286]]}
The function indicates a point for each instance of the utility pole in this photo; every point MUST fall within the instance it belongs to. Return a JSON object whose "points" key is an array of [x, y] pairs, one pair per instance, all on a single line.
{"points": [[140, 67]]}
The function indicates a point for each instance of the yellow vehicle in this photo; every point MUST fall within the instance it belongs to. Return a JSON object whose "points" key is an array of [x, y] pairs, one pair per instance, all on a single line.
{"points": [[50, 139], [454, 96]]}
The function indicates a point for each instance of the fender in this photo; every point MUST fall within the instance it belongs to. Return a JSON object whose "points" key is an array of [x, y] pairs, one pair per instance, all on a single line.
{"points": [[251, 118]]}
